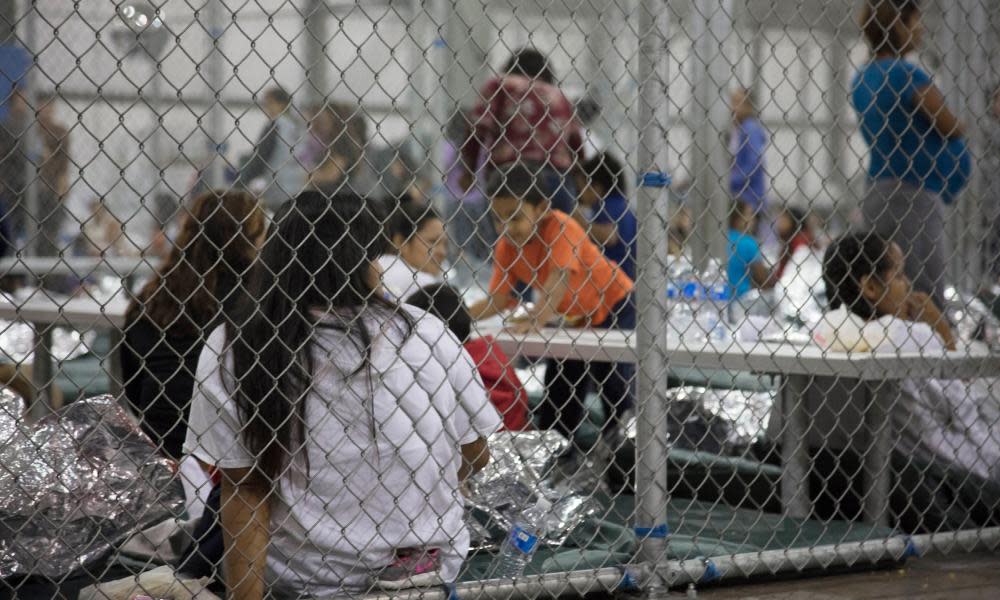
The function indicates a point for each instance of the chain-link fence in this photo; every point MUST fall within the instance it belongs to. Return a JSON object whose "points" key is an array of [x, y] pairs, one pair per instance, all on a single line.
{"points": [[493, 298]]}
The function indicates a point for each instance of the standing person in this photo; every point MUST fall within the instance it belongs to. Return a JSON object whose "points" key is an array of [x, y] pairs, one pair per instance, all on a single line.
{"points": [[522, 117], [611, 224], [469, 209], [14, 154], [53, 184], [918, 158], [343, 453], [748, 144], [272, 165], [991, 169], [545, 248], [194, 290]]}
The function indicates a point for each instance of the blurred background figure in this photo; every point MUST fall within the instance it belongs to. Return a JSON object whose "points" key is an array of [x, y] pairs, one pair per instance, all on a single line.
{"points": [[748, 145], [466, 208], [522, 117], [334, 150], [271, 167], [795, 231], [14, 152]]}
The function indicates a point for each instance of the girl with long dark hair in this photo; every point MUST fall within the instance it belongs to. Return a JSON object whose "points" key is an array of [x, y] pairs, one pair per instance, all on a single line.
{"points": [[342, 423], [193, 291]]}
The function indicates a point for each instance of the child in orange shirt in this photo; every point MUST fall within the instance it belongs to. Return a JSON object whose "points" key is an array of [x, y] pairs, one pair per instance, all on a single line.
{"points": [[549, 251]]}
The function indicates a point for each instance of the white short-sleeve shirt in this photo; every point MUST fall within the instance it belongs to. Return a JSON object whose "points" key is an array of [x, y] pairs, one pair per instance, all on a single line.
{"points": [[383, 452]]}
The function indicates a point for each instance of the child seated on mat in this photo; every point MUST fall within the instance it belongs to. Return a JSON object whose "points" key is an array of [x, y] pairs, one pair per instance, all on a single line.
{"points": [[497, 371], [549, 251], [937, 425]]}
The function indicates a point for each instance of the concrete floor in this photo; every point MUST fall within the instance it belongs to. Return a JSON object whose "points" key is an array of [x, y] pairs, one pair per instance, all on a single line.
{"points": [[968, 577]]}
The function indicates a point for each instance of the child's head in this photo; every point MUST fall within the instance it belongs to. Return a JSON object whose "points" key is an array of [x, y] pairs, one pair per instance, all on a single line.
{"points": [[791, 220], [679, 230], [320, 253], [892, 26], [518, 203], [864, 273], [742, 217], [531, 63], [419, 237], [442, 301], [276, 101], [742, 104], [600, 177]]}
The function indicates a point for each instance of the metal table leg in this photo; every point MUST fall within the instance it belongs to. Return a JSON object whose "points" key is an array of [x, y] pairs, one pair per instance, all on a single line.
{"points": [[794, 448], [878, 458], [42, 371]]}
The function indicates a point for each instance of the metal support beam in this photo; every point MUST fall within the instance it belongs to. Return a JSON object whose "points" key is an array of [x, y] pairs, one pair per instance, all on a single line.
{"points": [[652, 439], [711, 24], [215, 78], [317, 65]]}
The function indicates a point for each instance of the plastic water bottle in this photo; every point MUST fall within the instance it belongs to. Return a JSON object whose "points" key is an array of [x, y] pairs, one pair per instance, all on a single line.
{"points": [[522, 541], [713, 315], [683, 305]]}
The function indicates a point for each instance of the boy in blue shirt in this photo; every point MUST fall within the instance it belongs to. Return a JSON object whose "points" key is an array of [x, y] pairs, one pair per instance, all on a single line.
{"points": [[745, 266], [611, 223]]}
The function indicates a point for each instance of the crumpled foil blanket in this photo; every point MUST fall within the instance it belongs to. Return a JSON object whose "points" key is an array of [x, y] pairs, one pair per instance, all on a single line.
{"points": [[75, 484], [523, 467]]}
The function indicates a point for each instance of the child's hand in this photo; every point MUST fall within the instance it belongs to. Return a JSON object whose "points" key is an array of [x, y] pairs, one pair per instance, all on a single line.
{"points": [[920, 307], [522, 327]]}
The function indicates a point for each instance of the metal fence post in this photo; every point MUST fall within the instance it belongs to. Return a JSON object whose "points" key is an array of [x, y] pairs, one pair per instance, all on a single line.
{"points": [[651, 331]]}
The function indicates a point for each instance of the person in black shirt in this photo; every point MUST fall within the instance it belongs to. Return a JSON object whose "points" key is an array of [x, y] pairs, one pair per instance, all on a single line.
{"points": [[193, 291]]}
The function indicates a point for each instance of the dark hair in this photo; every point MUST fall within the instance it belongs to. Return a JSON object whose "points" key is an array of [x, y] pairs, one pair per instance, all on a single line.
{"points": [[878, 23], [518, 182], [587, 109], [442, 301], [530, 63], [605, 171], [318, 255], [213, 251], [738, 210], [847, 261], [279, 95], [409, 216]]}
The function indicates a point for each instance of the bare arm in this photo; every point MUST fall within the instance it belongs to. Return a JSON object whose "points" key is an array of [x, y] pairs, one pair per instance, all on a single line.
{"points": [[246, 517], [762, 277], [475, 457], [547, 301], [490, 306], [930, 101]]}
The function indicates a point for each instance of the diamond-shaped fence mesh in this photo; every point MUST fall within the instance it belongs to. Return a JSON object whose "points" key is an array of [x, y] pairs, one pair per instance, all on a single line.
{"points": [[493, 298]]}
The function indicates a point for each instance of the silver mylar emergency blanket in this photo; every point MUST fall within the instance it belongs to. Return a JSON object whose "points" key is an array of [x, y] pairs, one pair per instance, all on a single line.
{"points": [[74, 484], [522, 468]]}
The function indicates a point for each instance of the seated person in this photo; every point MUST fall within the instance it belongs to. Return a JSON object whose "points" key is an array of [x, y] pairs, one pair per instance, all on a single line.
{"points": [[420, 246], [937, 425], [745, 265], [549, 251], [342, 454], [610, 223], [795, 231], [505, 388]]}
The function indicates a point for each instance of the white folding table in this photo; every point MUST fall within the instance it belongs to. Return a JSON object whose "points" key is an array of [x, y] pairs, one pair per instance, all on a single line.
{"points": [[82, 314], [797, 365]]}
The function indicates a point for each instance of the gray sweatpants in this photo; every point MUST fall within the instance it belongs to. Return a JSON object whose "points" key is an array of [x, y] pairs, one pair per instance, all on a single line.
{"points": [[914, 219]]}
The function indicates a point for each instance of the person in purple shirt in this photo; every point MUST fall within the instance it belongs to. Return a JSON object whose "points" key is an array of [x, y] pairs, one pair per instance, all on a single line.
{"points": [[747, 143]]}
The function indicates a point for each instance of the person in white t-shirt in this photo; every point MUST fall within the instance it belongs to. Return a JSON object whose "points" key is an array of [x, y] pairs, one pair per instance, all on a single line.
{"points": [[945, 422], [343, 424], [420, 245]]}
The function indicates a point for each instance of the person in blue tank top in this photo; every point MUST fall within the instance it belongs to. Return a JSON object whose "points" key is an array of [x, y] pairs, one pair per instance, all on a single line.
{"points": [[918, 156]]}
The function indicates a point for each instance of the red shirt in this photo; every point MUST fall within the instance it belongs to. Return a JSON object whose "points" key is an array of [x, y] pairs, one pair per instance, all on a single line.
{"points": [[504, 387], [522, 119]]}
